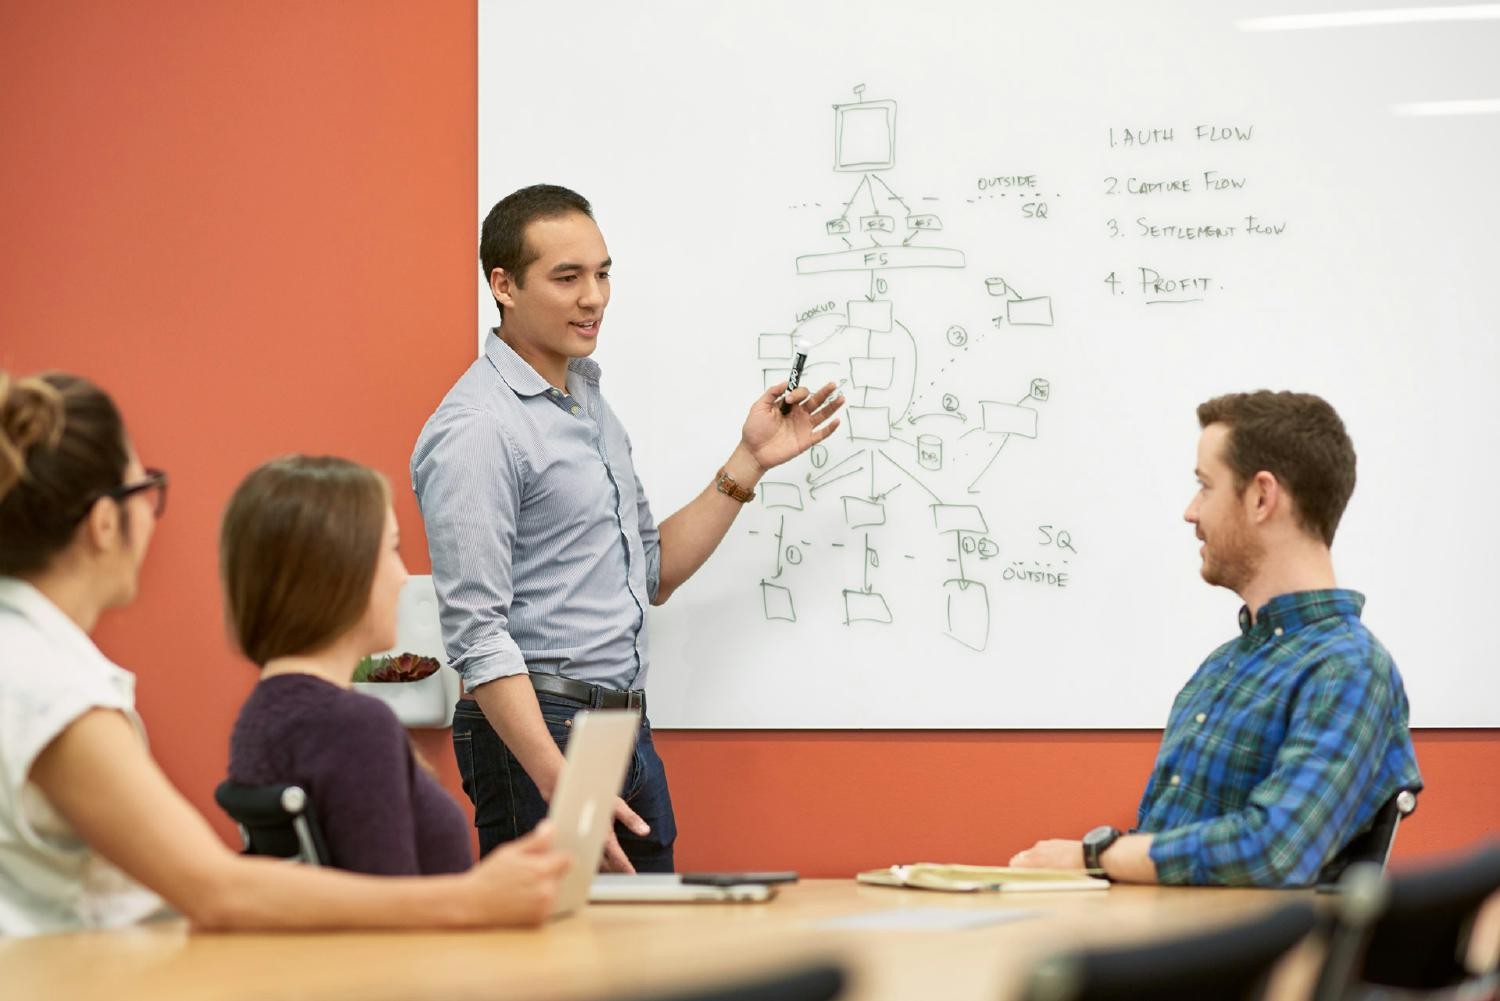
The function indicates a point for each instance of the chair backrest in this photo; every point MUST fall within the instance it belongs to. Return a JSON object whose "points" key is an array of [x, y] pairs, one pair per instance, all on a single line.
{"points": [[1409, 931], [818, 982], [1228, 963], [1374, 843], [276, 820]]}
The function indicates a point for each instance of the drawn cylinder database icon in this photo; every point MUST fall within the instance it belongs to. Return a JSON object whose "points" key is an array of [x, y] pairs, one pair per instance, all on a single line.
{"points": [[929, 451]]}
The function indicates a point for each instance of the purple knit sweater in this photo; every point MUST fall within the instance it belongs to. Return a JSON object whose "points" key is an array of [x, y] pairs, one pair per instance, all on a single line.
{"points": [[380, 811]]}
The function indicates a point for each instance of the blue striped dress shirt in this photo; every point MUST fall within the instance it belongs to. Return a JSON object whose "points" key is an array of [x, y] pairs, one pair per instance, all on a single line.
{"points": [[544, 551]]}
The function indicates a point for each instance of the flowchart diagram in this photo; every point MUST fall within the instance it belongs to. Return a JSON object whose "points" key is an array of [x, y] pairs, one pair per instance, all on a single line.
{"points": [[911, 422]]}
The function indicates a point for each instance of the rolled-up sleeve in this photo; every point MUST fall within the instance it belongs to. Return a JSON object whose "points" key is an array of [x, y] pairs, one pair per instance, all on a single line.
{"points": [[468, 480], [650, 541]]}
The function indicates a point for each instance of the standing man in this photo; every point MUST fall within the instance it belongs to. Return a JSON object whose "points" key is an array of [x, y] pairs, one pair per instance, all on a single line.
{"points": [[1290, 737], [544, 551]]}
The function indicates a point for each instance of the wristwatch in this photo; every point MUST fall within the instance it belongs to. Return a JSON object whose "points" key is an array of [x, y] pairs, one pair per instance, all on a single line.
{"points": [[1094, 844], [730, 487]]}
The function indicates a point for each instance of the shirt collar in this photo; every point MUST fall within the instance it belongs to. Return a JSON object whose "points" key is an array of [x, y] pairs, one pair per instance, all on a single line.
{"points": [[32, 605], [1289, 612], [520, 376]]}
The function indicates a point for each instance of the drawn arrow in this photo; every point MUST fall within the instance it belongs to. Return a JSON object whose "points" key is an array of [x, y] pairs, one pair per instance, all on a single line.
{"points": [[940, 413], [863, 181], [910, 476], [888, 191], [867, 563], [780, 531], [817, 479], [1003, 442], [812, 491], [1011, 293]]}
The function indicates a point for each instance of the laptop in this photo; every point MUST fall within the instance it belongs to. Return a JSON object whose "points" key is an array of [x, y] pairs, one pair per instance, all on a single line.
{"points": [[669, 888], [583, 805]]}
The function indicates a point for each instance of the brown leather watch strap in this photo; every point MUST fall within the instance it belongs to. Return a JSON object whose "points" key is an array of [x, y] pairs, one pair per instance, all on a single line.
{"points": [[726, 485]]}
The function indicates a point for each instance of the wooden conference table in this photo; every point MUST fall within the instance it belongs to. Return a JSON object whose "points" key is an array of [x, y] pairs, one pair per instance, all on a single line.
{"points": [[617, 949]]}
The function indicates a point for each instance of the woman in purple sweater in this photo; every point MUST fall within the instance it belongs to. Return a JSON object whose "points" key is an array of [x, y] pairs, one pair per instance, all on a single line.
{"points": [[311, 571]]}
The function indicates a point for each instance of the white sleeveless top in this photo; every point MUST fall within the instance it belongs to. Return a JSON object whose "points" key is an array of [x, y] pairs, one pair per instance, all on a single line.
{"points": [[51, 674]]}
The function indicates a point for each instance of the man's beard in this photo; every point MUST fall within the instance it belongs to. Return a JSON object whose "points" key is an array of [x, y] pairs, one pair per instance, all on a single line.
{"points": [[1233, 558]]}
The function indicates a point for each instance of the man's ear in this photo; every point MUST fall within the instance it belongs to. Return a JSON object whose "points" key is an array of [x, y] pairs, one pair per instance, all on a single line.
{"points": [[501, 286], [1265, 497]]}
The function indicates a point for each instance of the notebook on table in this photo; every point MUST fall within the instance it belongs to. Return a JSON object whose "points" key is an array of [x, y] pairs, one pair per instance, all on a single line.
{"points": [[976, 878]]}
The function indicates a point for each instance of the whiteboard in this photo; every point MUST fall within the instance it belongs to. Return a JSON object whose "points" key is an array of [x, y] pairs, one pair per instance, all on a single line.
{"points": [[1029, 239]]}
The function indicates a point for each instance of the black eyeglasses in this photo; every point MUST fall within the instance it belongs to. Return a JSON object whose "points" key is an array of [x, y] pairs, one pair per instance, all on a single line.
{"points": [[155, 479]]}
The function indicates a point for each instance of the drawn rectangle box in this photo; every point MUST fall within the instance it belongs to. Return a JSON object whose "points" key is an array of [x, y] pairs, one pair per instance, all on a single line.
{"points": [[865, 135], [870, 315], [771, 376], [774, 346], [1035, 312], [959, 518], [1007, 418], [860, 513], [777, 601], [860, 606], [869, 423], [872, 373], [968, 612], [781, 495]]}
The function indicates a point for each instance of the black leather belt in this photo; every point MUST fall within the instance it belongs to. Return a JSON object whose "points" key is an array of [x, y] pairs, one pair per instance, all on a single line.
{"points": [[586, 694]]}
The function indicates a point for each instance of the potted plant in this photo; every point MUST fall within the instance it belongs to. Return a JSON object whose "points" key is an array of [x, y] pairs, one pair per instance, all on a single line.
{"points": [[415, 687]]}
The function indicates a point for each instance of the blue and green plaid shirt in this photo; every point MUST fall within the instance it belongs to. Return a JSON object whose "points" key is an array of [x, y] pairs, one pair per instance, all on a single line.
{"points": [[1280, 749]]}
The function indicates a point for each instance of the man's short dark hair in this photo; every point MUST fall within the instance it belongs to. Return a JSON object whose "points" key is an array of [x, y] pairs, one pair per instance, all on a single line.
{"points": [[502, 239], [1297, 438]]}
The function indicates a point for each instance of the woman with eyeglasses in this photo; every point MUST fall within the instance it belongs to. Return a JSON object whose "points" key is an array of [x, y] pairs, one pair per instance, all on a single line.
{"points": [[92, 834]]}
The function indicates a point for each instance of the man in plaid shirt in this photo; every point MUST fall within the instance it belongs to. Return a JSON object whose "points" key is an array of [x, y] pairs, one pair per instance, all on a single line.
{"points": [[1291, 736]]}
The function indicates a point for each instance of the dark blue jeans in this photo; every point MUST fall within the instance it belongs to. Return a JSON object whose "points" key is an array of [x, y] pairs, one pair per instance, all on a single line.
{"points": [[507, 803]]}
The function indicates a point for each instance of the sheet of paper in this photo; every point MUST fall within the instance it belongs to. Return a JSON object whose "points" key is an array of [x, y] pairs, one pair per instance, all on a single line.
{"points": [[923, 919]]}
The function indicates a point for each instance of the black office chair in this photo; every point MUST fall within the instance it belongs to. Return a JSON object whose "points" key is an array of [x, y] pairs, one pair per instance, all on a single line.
{"points": [[276, 820], [1409, 933], [1228, 963], [1374, 845], [818, 982]]}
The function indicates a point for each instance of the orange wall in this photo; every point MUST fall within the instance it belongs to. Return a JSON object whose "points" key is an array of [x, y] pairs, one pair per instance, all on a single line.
{"points": [[254, 224]]}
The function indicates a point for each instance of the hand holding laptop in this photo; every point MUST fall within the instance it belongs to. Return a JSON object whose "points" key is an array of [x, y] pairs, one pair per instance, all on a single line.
{"points": [[582, 809], [518, 882], [615, 859]]}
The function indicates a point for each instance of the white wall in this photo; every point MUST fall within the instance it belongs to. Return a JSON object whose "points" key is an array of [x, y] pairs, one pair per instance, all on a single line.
{"points": [[704, 135]]}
